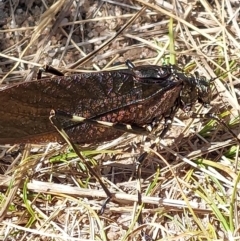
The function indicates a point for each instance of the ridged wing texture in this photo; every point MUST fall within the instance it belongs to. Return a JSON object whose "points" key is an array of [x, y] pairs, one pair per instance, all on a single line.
{"points": [[115, 96]]}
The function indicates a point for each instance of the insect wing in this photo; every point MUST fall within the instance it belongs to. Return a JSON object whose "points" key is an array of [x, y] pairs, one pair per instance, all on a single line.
{"points": [[115, 96]]}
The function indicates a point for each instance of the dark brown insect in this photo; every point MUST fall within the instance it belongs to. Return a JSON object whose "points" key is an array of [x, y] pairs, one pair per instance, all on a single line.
{"points": [[135, 96]]}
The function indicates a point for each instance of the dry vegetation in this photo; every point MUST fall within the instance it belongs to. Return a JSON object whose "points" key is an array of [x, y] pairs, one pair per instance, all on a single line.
{"points": [[189, 184]]}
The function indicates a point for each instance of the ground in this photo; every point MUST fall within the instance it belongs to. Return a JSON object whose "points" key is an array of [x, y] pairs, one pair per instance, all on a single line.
{"points": [[189, 181]]}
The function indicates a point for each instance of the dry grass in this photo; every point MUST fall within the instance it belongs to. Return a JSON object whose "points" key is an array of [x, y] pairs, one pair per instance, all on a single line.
{"points": [[189, 185]]}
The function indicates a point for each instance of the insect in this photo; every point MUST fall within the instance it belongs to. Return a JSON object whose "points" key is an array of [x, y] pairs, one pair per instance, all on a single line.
{"points": [[135, 95]]}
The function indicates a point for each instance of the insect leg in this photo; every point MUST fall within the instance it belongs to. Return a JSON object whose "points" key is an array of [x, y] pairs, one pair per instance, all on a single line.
{"points": [[58, 127], [220, 121], [48, 69], [167, 125], [133, 129]]}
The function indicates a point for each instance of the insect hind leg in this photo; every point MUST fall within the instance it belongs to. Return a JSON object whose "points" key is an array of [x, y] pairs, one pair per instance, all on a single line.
{"points": [[133, 129]]}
